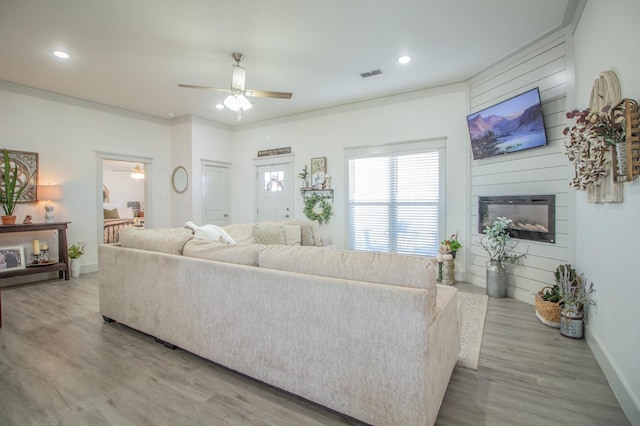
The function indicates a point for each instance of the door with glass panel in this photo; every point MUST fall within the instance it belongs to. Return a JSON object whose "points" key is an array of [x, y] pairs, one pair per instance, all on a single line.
{"points": [[275, 192]]}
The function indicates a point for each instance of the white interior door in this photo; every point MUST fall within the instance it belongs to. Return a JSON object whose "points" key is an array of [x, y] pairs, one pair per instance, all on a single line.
{"points": [[214, 195], [275, 192]]}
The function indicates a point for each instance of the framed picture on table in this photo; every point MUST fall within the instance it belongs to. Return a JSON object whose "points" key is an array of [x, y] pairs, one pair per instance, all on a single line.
{"points": [[11, 258], [318, 172]]}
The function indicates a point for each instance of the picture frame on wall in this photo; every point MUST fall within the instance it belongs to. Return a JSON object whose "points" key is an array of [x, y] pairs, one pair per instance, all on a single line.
{"points": [[27, 163], [11, 258], [318, 172]]}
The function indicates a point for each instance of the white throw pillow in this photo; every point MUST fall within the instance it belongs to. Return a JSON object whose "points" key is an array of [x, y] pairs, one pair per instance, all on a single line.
{"points": [[213, 233], [210, 232]]}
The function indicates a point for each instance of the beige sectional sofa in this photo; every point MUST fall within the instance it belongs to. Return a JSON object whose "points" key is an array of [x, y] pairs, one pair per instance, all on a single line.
{"points": [[366, 334]]}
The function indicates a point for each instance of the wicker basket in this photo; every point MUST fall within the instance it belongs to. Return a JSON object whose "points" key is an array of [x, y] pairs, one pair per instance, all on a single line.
{"points": [[548, 312], [626, 155]]}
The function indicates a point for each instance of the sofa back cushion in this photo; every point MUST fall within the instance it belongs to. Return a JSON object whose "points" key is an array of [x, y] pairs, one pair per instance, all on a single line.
{"points": [[309, 231], [242, 254], [165, 240], [382, 268], [242, 233]]}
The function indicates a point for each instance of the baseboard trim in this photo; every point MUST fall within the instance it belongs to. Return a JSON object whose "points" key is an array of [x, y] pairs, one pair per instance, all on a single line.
{"points": [[86, 269], [629, 402]]}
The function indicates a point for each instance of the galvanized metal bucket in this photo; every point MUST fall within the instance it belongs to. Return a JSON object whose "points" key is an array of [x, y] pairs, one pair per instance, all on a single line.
{"points": [[572, 321], [496, 279]]}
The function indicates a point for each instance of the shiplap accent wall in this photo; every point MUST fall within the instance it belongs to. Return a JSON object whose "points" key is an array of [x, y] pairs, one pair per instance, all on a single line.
{"points": [[537, 171]]}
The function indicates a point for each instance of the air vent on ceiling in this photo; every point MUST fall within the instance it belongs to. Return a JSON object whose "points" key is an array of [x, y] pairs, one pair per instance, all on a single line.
{"points": [[370, 73]]}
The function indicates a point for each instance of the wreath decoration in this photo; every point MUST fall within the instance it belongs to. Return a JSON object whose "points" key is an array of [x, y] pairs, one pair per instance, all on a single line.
{"points": [[316, 207]]}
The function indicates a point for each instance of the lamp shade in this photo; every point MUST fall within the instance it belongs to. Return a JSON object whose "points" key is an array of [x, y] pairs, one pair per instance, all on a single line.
{"points": [[49, 192]]}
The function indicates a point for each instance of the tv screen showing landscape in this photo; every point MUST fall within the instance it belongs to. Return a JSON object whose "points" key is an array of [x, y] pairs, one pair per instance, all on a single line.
{"points": [[510, 126]]}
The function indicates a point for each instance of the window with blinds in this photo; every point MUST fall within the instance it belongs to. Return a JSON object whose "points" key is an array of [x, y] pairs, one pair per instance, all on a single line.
{"points": [[394, 203]]}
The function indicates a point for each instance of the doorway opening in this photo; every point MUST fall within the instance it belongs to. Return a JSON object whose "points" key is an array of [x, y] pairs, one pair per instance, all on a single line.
{"points": [[123, 194]]}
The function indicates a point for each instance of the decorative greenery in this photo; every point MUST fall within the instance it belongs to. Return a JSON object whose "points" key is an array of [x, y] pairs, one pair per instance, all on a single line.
{"points": [[450, 245], [589, 139], [10, 196], [574, 289], [496, 242], [319, 201], [76, 250], [551, 295], [304, 174]]}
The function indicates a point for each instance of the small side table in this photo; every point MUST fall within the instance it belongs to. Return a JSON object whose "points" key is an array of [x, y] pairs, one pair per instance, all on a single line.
{"points": [[62, 266]]}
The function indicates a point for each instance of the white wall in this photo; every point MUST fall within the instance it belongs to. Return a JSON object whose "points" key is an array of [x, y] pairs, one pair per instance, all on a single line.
{"points": [[194, 140], [181, 153], [67, 133], [606, 38], [435, 113], [539, 171]]}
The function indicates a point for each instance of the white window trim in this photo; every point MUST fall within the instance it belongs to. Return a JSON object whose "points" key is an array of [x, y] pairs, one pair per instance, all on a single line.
{"points": [[406, 147]]}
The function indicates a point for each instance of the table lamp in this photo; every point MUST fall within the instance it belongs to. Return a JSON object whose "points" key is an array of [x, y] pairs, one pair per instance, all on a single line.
{"points": [[49, 193]]}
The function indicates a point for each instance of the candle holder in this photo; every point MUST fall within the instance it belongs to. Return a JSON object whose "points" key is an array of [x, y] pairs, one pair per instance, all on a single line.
{"points": [[41, 258]]}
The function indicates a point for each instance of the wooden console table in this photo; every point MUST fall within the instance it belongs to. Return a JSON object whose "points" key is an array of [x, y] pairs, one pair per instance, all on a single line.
{"points": [[62, 266]]}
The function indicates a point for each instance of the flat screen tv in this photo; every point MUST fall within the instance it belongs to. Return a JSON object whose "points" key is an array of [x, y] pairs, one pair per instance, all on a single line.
{"points": [[510, 126]]}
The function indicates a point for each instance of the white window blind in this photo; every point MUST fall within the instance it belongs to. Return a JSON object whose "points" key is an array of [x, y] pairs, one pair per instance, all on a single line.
{"points": [[394, 203]]}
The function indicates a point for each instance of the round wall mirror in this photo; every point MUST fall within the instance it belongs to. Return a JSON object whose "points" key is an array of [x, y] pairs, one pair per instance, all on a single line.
{"points": [[180, 179]]}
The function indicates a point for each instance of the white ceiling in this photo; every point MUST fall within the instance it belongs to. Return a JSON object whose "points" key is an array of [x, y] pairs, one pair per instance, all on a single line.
{"points": [[132, 54]]}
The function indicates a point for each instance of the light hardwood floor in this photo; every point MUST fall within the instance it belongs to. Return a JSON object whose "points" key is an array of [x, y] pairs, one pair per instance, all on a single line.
{"points": [[60, 364]]}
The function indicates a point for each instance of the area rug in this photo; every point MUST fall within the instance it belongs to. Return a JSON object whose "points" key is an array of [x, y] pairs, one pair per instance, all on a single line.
{"points": [[474, 312]]}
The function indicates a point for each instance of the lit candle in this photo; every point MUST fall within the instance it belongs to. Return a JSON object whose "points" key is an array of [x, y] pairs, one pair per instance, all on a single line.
{"points": [[44, 246], [36, 247]]}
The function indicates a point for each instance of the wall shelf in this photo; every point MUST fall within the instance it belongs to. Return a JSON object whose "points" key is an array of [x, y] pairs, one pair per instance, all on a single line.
{"points": [[305, 192]]}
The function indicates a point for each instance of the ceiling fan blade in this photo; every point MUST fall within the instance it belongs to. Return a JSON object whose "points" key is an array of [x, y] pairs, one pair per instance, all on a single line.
{"points": [[191, 86], [268, 94]]}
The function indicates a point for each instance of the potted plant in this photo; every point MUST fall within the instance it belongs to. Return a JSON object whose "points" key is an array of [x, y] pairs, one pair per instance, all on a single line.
{"points": [[76, 251], [548, 301], [446, 256], [450, 245], [304, 174], [496, 243], [575, 292], [10, 196]]}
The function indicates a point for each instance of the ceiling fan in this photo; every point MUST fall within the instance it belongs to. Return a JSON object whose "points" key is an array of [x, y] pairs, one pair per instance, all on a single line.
{"points": [[237, 101], [136, 173]]}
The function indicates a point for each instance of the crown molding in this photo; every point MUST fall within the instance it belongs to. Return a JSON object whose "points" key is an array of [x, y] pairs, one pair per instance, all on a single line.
{"points": [[359, 105], [8, 86]]}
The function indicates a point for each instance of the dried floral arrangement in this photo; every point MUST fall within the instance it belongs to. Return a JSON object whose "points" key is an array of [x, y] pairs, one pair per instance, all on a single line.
{"points": [[589, 139]]}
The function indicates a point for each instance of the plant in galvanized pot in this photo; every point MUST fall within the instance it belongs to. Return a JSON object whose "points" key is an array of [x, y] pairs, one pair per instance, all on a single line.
{"points": [[496, 242], [576, 291], [10, 195]]}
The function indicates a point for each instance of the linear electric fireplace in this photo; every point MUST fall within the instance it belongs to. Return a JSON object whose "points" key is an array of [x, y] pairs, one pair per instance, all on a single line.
{"points": [[533, 216]]}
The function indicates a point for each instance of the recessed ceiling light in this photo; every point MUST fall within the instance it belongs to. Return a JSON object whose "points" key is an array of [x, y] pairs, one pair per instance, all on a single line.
{"points": [[61, 54], [219, 106], [404, 59]]}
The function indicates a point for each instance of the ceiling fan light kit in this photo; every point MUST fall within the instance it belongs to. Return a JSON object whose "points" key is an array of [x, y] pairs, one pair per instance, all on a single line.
{"points": [[237, 103], [237, 100]]}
